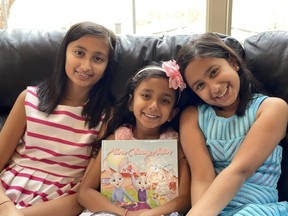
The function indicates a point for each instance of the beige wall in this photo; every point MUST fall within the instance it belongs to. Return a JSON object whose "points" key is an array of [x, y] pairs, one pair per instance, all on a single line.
{"points": [[8, 6]]}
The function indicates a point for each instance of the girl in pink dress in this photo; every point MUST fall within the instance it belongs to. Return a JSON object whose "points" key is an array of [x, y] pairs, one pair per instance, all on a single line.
{"points": [[144, 112]]}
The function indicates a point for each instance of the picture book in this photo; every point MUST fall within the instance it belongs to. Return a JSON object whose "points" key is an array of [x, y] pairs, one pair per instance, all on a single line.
{"points": [[139, 174]]}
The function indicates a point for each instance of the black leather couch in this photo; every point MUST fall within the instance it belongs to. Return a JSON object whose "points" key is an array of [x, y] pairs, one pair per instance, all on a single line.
{"points": [[27, 56]]}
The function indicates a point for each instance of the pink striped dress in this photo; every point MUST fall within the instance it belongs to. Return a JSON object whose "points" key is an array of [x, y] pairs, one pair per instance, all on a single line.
{"points": [[52, 157]]}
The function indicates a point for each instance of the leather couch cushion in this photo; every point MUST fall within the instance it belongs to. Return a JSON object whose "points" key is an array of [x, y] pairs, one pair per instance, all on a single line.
{"points": [[26, 57], [267, 54]]}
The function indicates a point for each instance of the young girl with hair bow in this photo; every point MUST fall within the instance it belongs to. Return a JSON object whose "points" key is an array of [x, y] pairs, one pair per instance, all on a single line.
{"points": [[144, 112]]}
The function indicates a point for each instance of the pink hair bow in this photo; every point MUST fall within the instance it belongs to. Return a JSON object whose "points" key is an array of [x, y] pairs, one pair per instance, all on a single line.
{"points": [[172, 71]]}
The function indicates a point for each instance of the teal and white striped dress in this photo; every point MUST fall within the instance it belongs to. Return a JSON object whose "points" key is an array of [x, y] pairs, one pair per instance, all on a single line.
{"points": [[258, 195]]}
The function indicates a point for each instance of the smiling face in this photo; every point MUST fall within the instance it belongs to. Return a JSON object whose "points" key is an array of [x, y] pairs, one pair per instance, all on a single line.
{"points": [[152, 104], [116, 180], [86, 61], [215, 81]]}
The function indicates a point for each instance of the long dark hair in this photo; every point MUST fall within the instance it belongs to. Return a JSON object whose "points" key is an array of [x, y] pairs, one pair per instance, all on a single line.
{"points": [[123, 116], [210, 45], [50, 92]]}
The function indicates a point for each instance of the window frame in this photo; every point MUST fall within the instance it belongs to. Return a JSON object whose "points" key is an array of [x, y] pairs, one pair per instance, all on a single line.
{"points": [[219, 16]]}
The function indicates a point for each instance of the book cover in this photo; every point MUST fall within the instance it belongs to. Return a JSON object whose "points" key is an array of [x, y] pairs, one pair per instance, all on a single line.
{"points": [[139, 174]]}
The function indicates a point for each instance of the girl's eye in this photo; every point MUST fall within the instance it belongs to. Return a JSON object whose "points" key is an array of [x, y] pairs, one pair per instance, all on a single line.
{"points": [[145, 96], [79, 53], [199, 86], [165, 101], [214, 72], [98, 59]]}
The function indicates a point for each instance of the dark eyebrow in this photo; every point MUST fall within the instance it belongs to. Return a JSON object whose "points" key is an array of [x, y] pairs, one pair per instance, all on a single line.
{"points": [[147, 90], [79, 47], [151, 90]]}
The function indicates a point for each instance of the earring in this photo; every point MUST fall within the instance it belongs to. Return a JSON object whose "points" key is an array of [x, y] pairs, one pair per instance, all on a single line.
{"points": [[237, 68]]}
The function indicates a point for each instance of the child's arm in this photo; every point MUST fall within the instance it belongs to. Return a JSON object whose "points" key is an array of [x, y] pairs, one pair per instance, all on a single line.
{"points": [[10, 135], [12, 130], [262, 138], [88, 193], [63, 206], [182, 202], [9, 138], [198, 157]]}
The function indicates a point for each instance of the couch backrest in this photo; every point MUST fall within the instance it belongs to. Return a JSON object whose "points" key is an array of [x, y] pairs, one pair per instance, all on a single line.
{"points": [[26, 56], [267, 55]]}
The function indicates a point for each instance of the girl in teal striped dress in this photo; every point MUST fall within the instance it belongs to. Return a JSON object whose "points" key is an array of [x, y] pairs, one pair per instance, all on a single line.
{"points": [[231, 137]]}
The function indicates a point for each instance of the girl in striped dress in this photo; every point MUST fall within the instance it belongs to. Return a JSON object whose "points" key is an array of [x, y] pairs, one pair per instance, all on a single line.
{"points": [[56, 122], [240, 128]]}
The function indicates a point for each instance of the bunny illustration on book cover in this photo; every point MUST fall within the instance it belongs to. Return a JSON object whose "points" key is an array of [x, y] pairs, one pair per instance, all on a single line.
{"points": [[116, 180], [139, 174]]}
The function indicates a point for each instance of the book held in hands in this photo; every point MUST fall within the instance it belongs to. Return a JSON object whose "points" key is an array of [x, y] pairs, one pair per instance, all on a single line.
{"points": [[139, 174]]}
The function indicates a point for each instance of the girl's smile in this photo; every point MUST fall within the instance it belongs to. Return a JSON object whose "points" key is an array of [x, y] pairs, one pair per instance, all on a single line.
{"points": [[215, 81], [152, 103], [86, 60], [83, 76], [151, 116]]}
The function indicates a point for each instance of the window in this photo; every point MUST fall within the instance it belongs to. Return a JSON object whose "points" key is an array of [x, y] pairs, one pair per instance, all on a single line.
{"points": [[125, 16], [240, 18], [170, 16], [252, 17]]}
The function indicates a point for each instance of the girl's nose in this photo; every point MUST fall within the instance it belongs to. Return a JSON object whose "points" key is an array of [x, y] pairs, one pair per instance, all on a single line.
{"points": [[215, 88], [86, 65], [153, 105]]}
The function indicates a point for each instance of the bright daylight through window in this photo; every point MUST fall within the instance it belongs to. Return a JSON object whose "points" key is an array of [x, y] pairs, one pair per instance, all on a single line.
{"points": [[157, 17], [125, 16]]}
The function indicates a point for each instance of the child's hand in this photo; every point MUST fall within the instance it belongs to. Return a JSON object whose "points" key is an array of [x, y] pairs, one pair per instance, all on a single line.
{"points": [[137, 213], [9, 209]]}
